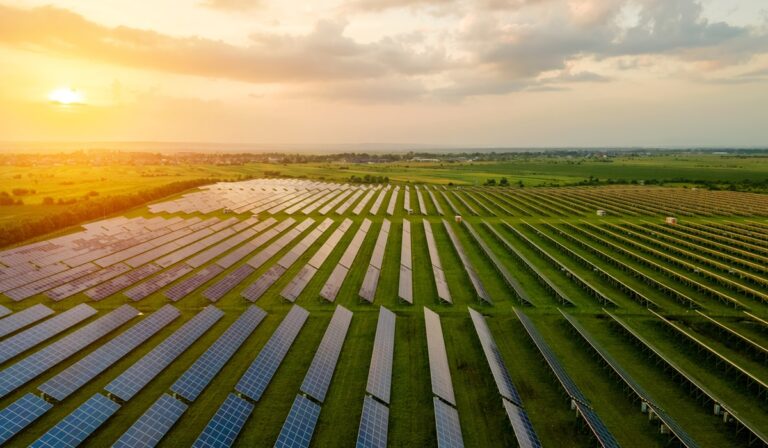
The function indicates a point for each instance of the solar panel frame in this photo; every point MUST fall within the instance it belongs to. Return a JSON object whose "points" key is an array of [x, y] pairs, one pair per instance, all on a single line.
{"points": [[197, 377], [299, 426], [153, 424], [138, 375], [255, 380], [20, 414], [225, 425], [83, 371], [73, 429], [320, 372]]}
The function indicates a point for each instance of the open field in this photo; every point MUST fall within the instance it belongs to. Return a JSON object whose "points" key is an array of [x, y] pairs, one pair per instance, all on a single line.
{"points": [[702, 275]]}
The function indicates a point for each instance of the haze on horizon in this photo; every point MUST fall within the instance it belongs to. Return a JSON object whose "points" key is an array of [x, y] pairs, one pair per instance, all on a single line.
{"points": [[515, 73]]}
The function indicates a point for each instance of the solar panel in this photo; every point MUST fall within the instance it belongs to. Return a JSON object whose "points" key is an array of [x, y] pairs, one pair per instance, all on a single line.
{"points": [[332, 286], [19, 414], [439, 371], [437, 268], [130, 382], [33, 365], [380, 371], [465, 261], [256, 289], [4, 311], [320, 372], [521, 425], [447, 425], [293, 289], [29, 338], [207, 366], [601, 433], [223, 428], [223, 286], [78, 374], [160, 280], [495, 361], [405, 284], [188, 285], [73, 429], [149, 429], [22, 318], [255, 380], [374, 425], [300, 424]]}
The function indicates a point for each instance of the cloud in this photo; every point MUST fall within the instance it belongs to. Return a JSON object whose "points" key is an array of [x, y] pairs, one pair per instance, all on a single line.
{"points": [[325, 53], [371, 6], [232, 5]]}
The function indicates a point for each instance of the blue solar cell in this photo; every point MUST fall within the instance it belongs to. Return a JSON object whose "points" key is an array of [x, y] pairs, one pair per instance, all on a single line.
{"points": [[197, 377], [88, 368], [447, 425], [19, 414], [299, 425], [495, 361], [320, 372], [33, 365], [521, 424], [150, 428], [439, 371], [601, 433], [73, 429], [130, 382], [223, 428], [255, 380], [374, 425]]}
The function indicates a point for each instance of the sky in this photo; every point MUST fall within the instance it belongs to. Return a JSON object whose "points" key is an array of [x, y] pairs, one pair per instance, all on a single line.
{"points": [[481, 73]]}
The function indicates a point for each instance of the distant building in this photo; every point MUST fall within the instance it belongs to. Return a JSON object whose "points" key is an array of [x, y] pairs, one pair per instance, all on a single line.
{"points": [[458, 219], [601, 213], [670, 220]]}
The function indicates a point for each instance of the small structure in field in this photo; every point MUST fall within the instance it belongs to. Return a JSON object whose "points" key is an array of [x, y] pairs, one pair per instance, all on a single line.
{"points": [[458, 219], [601, 213], [670, 220]]}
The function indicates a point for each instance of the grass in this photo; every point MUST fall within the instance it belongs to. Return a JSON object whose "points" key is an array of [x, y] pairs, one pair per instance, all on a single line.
{"points": [[483, 420]]}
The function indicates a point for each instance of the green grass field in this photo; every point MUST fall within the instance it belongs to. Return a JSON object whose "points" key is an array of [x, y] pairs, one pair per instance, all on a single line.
{"points": [[483, 420]]}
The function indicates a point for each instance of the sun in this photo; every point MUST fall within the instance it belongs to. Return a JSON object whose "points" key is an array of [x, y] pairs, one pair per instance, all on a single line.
{"points": [[66, 96]]}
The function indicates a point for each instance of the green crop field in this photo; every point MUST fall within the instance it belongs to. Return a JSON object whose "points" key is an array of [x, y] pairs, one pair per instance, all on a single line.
{"points": [[565, 259]]}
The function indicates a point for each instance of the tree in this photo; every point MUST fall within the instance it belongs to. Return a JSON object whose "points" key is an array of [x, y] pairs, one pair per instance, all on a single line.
{"points": [[504, 182]]}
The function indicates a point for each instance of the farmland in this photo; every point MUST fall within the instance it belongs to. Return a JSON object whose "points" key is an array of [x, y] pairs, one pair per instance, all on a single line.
{"points": [[627, 308]]}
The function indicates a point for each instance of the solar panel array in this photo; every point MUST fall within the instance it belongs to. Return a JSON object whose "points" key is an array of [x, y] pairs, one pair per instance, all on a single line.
{"points": [[29, 338], [223, 428], [299, 425], [20, 414], [371, 280], [379, 200], [264, 234], [162, 279], [190, 284], [434, 202], [405, 284], [392, 201], [407, 199], [21, 319], [73, 429], [380, 371], [334, 282], [363, 202], [255, 380], [121, 282], [149, 429], [374, 424], [447, 425], [477, 284], [437, 267], [320, 372], [440, 373], [230, 281], [207, 366], [513, 405], [270, 251], [78, 374], [35, 364], [130, 382], [578, 400]]}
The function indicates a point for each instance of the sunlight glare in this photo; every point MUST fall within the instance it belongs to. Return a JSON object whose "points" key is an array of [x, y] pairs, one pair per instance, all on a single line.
{"points": [[66, 96]]}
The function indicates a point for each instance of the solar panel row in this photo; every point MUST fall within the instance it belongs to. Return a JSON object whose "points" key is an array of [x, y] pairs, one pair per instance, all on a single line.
{"points": [[374, 424], [405, 285], [78, 374], [440, 373], [226, 284], [20, 414], [255, 380], [437, 267], [300, 424], [52, 281], [130, 382], [435, 203], [371, 280], [447, 425], [264, 234], [270, 251], [21, 319], [379, 200], [320, 373], [333, 284], [35, 364], [87, 281], [162, 279], [116, 284], [29, 338], [256, 289], [223, 428], [477, 284], [207, 366], [380, 371], [392, 201]]}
